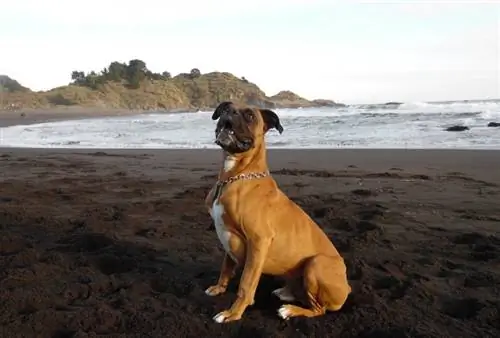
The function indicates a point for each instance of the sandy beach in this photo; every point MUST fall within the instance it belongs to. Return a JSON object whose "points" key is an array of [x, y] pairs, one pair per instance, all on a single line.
{"points": [[118, 243], [32, 116], [381, 121]]}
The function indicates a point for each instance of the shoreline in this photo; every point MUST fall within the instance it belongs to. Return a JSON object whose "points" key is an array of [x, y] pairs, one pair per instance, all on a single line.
{"points": [[36, 116], [60, 114], [30, 116], [66, 113]]}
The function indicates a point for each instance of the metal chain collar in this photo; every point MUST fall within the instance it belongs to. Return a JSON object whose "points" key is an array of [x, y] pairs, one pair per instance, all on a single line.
{"points": [[243, 176]]}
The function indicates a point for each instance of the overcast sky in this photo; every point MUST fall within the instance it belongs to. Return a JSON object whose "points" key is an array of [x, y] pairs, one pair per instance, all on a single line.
{"points": [[348, 51]]}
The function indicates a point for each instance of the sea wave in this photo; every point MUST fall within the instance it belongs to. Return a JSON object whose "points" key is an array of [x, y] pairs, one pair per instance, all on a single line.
{"points": [[406, 125]]}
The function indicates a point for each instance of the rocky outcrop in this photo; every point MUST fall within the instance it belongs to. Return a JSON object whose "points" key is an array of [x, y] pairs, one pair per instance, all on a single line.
{"points": [[184, 92], [327, 103], [457, 128]]}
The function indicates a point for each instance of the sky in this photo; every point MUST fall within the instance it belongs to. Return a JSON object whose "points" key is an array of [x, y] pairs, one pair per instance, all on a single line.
{"points": [[347, 51]]}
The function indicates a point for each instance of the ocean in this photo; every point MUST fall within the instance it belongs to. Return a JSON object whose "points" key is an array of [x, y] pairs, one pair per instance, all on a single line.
{"points": [[408, 125]]}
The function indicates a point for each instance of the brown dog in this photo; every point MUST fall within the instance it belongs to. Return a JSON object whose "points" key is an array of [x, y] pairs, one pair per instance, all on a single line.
{"points": [[264, 231]]}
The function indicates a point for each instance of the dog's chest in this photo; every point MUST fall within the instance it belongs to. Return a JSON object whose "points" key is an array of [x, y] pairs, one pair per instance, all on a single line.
{"points": [[223, 233]]}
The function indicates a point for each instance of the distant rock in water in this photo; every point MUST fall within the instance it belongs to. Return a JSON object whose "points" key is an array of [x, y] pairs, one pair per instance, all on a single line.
{"points": [[457, 128], [393, 103], [327, 103], [494, 124]]}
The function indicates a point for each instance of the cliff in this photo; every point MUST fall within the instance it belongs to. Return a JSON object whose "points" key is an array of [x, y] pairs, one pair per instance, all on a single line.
{"points": [[133, 86]]}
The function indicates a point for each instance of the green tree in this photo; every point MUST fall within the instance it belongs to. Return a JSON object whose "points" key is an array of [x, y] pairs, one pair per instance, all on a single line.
{"points": [[78, 77], [138, 65], [154, 76], [117, 71], [136, 72], [92, 80], [195, 73], [166, 75]]}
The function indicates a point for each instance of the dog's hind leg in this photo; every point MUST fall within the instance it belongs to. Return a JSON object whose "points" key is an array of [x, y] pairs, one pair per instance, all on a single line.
{"points": [[325, 285], [285, 294], [292, 291]]}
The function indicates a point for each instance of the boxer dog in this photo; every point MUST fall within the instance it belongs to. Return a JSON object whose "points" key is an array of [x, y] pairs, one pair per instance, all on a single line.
{"points": [[262, 230]]}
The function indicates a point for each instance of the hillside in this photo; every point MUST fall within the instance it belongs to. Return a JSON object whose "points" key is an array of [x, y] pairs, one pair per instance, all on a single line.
{"points": [[133, 86], [10, 85]]}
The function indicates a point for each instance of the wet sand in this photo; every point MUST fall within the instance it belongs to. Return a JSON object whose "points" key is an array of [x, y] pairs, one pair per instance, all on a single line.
{"points": [[32, 116], [118, 243]]}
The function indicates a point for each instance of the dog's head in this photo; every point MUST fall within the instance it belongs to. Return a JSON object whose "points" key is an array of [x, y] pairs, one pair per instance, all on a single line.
{"points": [[240, 129]]}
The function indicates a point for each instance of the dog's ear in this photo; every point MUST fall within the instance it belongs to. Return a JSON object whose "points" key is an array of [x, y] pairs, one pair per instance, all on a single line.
{"points": [[221, 108], [271, 120]]}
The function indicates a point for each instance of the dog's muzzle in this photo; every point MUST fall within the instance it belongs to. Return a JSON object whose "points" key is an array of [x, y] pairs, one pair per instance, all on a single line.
{"points": [[225, 138]]}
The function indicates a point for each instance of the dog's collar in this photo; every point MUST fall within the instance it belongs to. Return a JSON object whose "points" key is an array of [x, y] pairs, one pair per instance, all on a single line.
{"points": [[243, 176]]}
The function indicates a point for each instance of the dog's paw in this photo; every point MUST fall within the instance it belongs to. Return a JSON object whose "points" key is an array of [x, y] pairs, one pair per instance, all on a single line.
{"points": [[225, 316], [284, 294], [215, 290], [285, 312]]}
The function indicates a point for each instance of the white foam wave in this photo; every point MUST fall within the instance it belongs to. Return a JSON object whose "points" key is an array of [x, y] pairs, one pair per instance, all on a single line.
{"points": [[409, 125]]}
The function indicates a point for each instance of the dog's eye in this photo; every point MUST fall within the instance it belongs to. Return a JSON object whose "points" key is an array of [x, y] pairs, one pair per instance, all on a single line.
{"points": [[249, 115]]}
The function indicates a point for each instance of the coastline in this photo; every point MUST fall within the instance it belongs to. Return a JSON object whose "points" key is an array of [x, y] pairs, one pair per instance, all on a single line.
{"points": [[34, 116], [27, 116]]}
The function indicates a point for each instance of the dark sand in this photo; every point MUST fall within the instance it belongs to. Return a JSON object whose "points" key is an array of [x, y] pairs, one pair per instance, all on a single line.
{"points": [[118, 243], [32, 116]]}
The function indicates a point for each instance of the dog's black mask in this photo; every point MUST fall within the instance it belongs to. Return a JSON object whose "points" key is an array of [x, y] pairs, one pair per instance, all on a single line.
{"points": [[236, 127]]}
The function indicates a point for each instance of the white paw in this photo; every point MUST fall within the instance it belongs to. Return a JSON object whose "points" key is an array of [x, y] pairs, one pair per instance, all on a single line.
{"points": [[284, 312], [284, 294], [220, 317], [214, 290]]}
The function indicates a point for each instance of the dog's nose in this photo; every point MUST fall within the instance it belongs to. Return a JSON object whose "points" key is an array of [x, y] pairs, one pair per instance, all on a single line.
{"points": [[222, 140]]}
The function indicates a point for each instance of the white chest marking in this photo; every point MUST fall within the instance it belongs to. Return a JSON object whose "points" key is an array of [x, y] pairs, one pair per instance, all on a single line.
{"points": [[222, 232], [229, 163], [218, 210]]}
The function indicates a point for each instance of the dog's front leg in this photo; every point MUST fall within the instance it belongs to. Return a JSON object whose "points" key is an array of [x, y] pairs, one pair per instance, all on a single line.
{"points": [[226, 273], [254, 263]]}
